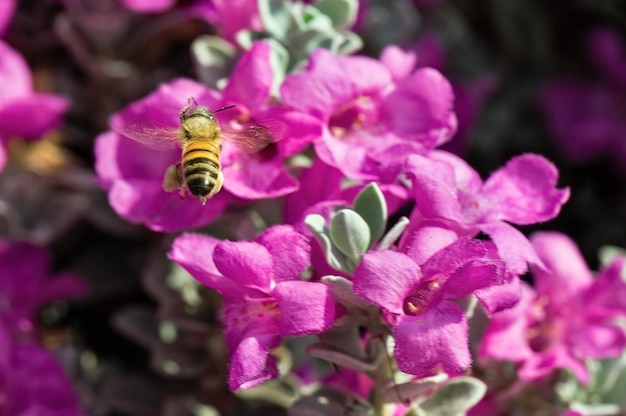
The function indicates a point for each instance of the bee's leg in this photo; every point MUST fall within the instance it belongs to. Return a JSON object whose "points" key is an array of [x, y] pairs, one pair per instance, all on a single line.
{"points": [[173, 180]]}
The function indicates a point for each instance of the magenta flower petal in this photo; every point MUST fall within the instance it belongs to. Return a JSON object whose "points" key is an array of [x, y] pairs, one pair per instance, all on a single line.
{"points": [[325, 83], [422, 106], [498, 298], [435, 192], [399, 62], [513, 247], [247, 263], [31, 116], [523, 191], [250, 82], [305, 307], [506, 329], [153, 120], [289, 249], [434, 341], [300, 129], [251, 363], [539, 365], [149, 6], [194, 253], [252, 176], [598, 341], [423, 238], [385, 278], [7, 8], [13, 68], [566, 272]]}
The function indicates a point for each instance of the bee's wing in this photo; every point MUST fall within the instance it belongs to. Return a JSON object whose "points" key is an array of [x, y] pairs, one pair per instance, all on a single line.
{"points": [[255, 137], [152, 135]]}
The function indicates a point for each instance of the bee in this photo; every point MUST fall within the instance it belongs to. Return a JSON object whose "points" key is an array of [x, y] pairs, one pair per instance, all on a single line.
{"points": [[200, 136]]}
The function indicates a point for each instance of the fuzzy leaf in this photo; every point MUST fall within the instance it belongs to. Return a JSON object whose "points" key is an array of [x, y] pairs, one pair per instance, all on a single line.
{"points": [[341, 12], [350, 234], [371, 206], [455, 398], [336, 259], [276, 17]]}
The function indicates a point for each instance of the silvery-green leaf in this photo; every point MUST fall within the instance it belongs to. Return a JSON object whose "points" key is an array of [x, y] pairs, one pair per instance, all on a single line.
{"points": [[341, 358], [596, 409], [394, 233], [276, 17], [336, 259], [455, 398], [279, 60], [346, 43], [371, 205], [342, 13], [350, 234], [401, 393], [331, 402], [342, 291]]}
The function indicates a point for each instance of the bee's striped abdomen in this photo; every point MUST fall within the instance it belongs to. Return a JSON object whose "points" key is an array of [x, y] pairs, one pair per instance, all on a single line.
{"points": [[201, 167]]}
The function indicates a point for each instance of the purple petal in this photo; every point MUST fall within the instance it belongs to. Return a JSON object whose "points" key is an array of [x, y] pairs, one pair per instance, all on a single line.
{"points": [[522, 192], [505, 337], [154, 120], [194, 253], [385, 278], [62, 286], [118, 157], [14, 71], [423, 238], [434, 341], [498, 298], [143, 202], [468, 181], [289, 249], [538, 366], [318, 183], [251, 362], [400, 63], [31, 116], [434, 188], [7, 8], [330, 81], [421, 107], [253, 176], [306, 308], [609, 289], [250, 82], [301, 129], [148, 6], [513, 247], [597, 340], [247, 263], [566, 273]]}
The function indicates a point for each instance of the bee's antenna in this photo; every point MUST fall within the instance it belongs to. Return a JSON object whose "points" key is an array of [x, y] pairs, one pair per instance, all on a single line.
{"points": [[228, 107]]}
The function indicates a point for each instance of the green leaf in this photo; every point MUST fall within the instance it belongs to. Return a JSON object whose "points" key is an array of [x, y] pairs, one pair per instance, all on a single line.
{"points": [[371, 206], [276, 17], [341, 12], [350, 234], [213, 57], [334, 257], [455, 398]]}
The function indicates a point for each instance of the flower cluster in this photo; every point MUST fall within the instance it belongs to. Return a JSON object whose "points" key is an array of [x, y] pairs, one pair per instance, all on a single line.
{"points": [[317, 198]]}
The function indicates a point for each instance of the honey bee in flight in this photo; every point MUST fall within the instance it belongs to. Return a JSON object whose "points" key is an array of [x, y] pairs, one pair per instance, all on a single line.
{"points": [[200, 137]]}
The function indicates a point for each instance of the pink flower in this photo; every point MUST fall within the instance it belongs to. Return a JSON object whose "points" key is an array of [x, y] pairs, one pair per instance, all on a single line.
{"points": [[586, 117], [153, 122], [26, 284], [417, 298], [148, 6], [569, 317], [264, 299], [523, 192], [133, 176], [24, 113], [231, 16], [31, 381], [250, 176], [365, 112]]}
